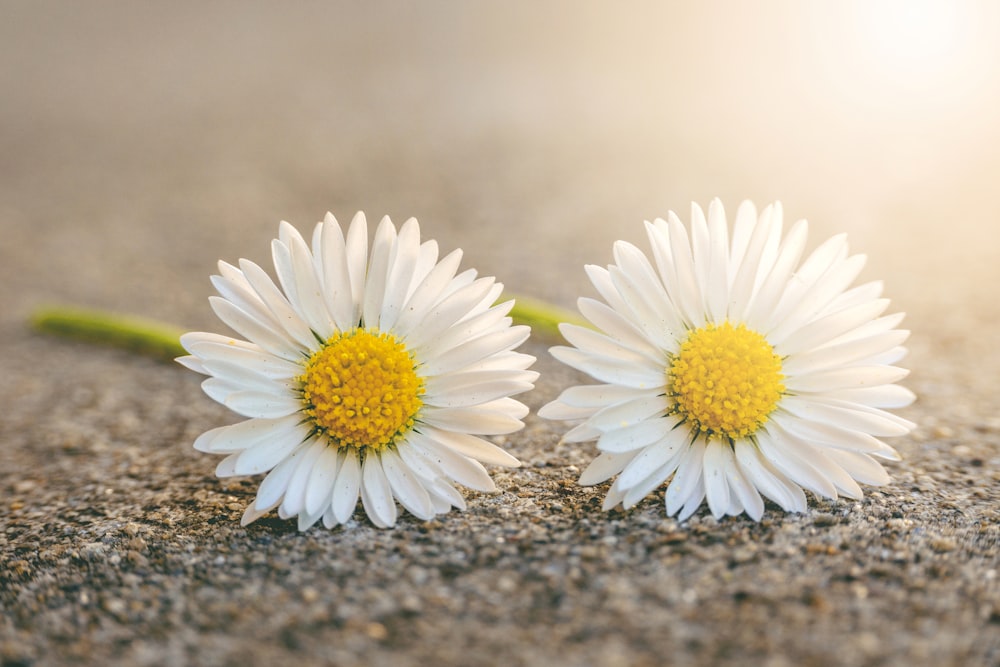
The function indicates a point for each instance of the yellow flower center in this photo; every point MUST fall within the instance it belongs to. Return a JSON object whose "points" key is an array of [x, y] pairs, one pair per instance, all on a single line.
{"points": [[361, 389], [725, 380]]}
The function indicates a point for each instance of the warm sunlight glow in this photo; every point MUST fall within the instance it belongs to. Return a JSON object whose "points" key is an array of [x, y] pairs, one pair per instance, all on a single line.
{"points": [[915, 39]]}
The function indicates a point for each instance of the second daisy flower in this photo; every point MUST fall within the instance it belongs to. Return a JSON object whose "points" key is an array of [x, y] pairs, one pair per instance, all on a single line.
{"points": [[733, 372]]}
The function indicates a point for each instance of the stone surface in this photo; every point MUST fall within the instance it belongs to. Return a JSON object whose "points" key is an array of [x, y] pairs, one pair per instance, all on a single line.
{"points": [[140, 143]]}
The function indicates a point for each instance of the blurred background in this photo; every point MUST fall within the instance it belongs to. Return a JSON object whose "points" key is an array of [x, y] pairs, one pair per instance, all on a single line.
{"points": [[141, 141]]}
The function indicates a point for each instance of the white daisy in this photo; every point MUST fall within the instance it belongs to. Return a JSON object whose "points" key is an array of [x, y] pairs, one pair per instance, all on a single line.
{"points": [[368, 376], [732, 371]]}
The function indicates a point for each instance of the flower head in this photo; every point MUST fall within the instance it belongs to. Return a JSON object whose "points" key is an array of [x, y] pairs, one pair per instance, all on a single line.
{"points": [[731, 371], [362, 375]]}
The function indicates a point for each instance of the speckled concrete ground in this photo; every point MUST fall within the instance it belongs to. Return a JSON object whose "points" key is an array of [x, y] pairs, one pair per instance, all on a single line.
{"points": [[139, 145]]}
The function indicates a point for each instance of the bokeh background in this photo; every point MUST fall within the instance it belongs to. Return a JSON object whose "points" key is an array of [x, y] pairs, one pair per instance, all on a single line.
{"points": [[529, 134], [140, 142]]}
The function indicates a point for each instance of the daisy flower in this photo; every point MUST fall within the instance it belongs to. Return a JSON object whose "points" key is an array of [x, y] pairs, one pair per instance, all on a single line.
{"points": [[731, 371], [368, 376]]}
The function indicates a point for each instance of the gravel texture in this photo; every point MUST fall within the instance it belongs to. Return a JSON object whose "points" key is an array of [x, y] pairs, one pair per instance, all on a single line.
{"points": [[142, 143]]}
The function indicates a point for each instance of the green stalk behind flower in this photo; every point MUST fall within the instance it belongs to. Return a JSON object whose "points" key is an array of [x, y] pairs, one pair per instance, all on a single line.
{"points": [[162, 341]]}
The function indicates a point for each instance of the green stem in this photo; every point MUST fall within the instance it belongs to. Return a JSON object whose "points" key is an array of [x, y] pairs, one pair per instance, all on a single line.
{"points": [[146, 337], [162, 341], [543, 317]]}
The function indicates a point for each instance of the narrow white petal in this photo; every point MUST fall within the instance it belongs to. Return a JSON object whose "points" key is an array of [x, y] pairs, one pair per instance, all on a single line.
{"points": [[378, 268], [806, 277], [651, 459], [460, 468], [308, 289], [403, 263], [237, 291], [472, 446], [445, 496], [716, 278], [306, 520], [557, 410], [686, 293], [858, 351], [288, 318], [861, 467], [347, 487], [743, 226], [356, 247], [406, 487], [251, 514], [419, 461], [845, 378], [295, 495], [651, 308], [226, 467], [885, 396], [445, 313], [693, 502], [489, 322], [792, 458], [748, 269], [701, 246], [614, 497], [768, 480], [687, 479], [599, 395], [604, 467], [655, 477], [593, 342], [715, 478], [260, 404], [427, 293], [252, 358], [191, 362], [819, 295], [478, 420], [765, 300], [474, 351], [835, 436], [256, 331], [274, 486], [191, 340], [629, 412], [876, 423], [855, 296], [376, 494], [246, 377], [266, 454], [638, 435], [338, 292], [600, 277], [319, 488], [618, 327], [742, 491], [281, 256], [426, 261], [581, 433], [826, 329], [611, 369]]}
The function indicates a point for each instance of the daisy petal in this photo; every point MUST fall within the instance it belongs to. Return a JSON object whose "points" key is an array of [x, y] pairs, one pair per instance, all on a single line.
{"points": [[347, 486], [376, 494], [319, 488], [605, 466], [472, 447], [406, 487]]}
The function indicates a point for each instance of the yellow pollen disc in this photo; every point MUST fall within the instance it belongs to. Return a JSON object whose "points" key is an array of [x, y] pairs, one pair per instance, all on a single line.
{"points": [[725, 380], [361, 389]]}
